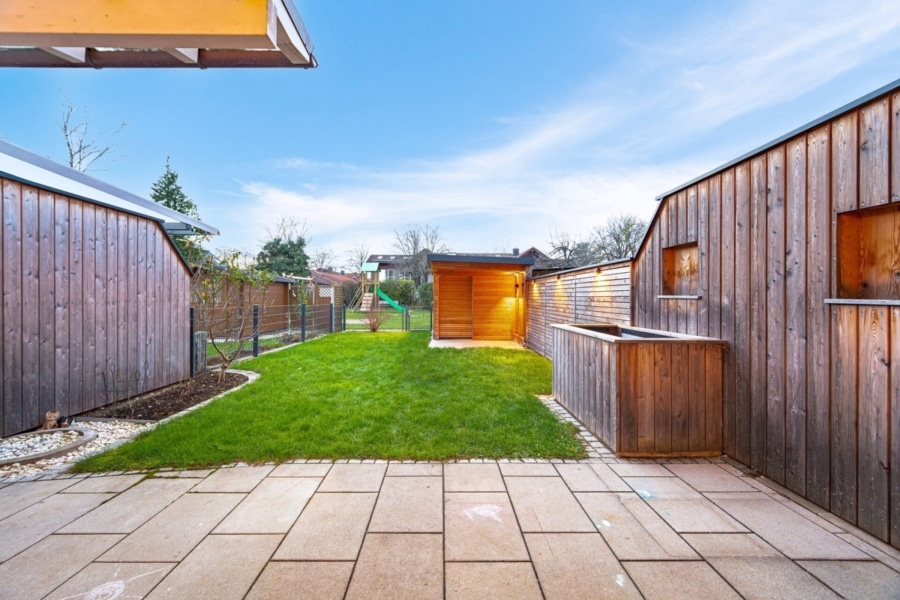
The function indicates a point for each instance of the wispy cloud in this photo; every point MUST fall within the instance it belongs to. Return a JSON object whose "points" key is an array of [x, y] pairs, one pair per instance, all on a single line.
{"points": [[594, 157]]}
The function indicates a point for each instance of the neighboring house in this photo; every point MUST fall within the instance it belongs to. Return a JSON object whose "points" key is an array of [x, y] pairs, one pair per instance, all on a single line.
{"points": [[790, 253], [92, 285], [393, 266], [329, 286]]}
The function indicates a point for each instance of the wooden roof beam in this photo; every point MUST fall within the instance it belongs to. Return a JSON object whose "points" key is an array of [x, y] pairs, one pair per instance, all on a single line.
{"points": [[72, 54]]}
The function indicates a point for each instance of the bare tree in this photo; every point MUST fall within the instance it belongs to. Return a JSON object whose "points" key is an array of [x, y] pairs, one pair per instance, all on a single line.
{"points": [[416, 241], [224, 290], [571, 250], [288, 229], [619, 237], [321, 259], [84, 149], [356, 256]]}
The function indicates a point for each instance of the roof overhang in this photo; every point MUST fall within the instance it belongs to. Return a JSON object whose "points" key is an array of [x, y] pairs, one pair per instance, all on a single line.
{"points": [[445, 263], [153, 33], [21, 165]]}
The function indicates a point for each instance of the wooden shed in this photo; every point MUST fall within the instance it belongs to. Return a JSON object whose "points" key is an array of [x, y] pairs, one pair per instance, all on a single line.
{"points": [[91, 284], [479, 297], [790, 253]]}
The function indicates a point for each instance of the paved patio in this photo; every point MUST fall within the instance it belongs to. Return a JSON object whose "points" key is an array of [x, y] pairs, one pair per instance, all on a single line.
{"points": [[599, 528]]}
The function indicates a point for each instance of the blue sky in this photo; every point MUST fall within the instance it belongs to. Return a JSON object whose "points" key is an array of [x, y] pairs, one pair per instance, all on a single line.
{"points": [[499, 121]]}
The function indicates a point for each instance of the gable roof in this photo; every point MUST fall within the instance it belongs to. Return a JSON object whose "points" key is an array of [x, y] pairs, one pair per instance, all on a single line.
{"points": [[26, 167]]}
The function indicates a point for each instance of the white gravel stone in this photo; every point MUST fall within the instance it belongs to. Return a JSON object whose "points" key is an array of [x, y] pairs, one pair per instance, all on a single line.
{"points": [[109, 433]]}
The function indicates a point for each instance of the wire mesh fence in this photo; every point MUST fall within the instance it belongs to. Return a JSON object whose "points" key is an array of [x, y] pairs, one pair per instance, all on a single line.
{"points": [[411, 318]]}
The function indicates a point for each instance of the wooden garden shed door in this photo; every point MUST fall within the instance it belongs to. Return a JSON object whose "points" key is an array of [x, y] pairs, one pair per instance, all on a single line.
{"points": [[454, 319]]}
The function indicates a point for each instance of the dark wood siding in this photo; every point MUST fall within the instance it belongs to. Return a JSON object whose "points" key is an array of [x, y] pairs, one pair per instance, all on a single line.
{"points": [[590, 295], [86, 290], [810, 396]]}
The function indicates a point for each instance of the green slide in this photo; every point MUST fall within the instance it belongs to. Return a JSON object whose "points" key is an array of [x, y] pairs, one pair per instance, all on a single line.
{"points": [[389, 300]]}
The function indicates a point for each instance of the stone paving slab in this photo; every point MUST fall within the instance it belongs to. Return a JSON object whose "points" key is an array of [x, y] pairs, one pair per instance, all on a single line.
{"points": [[668, 580], [473, 478], [301, 470], [22, 495], [494, 580], [578, 565], [770, 577], [695, 516], [582, 478], [200, 575], [319, 580], [49, 563], [101, 485], [354, 478], [528, 470], [667, 488], [174, 532], [331, 527], [710, 478], [857, 580], [132, 508], [39, 520], [545, 504], [233, 480], [415, 470], [272, 507], [632, 529], [641, 470], [481, 527], [99, 581], [784, 528], [610, 478], [409, 505], [399, 566]]}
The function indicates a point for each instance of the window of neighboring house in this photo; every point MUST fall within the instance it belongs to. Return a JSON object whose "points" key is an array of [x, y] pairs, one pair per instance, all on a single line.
{"points": [[388, 274], [680, 270], [868, 253]]}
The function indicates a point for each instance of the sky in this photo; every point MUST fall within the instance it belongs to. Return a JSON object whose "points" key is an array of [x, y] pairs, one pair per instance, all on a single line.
{"points": [[501, 122]]}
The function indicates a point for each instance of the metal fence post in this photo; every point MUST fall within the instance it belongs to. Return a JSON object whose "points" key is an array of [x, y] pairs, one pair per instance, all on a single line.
{"points": [[343, 318], [331, 318], [303, 322], [256, 330], [191, 330]]}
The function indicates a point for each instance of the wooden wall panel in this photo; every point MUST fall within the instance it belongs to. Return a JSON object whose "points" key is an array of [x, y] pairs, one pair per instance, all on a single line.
{"points": [[795, 278], [818, 322], [810, 396], [12, 305], [69, 267], [578, 296], [776, 325]]}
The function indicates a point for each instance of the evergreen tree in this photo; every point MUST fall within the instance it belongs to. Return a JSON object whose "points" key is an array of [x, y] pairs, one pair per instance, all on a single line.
{"points": [[285, 256], [168, 192]]}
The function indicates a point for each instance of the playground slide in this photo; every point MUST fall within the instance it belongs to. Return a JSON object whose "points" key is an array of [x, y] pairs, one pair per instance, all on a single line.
{"points": [[389, 300]]}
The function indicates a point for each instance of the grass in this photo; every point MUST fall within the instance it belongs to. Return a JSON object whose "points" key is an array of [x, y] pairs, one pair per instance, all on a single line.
{"points": [[419, 319], [351, 395]]}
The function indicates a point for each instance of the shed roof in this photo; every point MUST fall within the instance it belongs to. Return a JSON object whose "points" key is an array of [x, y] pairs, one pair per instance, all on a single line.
{"points": [[485, 259], [21, 165], [158, 33]]}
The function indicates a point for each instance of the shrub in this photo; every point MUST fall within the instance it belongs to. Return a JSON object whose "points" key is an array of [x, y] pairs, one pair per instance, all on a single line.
{"points": [[403, 291], [425, 295]]}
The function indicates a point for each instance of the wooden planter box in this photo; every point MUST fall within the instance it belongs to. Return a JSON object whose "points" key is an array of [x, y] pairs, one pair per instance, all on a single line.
{"points": [[642, 392]]}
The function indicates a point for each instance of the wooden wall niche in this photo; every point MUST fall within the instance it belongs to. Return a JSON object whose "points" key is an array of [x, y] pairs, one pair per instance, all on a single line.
{"points": [[681, 273], [868, 253]]}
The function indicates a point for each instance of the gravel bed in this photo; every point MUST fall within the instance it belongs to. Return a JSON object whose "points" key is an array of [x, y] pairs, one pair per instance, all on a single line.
{"points": [[108, 433]]}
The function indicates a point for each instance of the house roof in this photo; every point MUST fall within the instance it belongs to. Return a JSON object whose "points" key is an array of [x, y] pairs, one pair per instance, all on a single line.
{"points": [[162, 33], [21, 165], [330, 278]]}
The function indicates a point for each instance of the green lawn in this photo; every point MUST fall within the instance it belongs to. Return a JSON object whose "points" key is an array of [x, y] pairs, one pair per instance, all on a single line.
{"points": [[355, 395], [419, 319]]}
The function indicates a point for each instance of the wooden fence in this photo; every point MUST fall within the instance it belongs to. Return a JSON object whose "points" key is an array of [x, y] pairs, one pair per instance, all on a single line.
{"points": [[596, 294], [790, 255], [87, 290]]}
